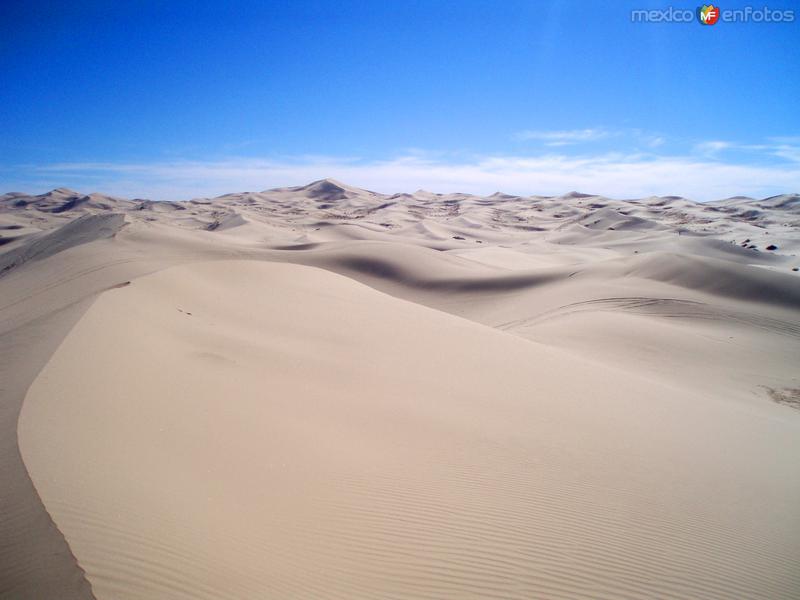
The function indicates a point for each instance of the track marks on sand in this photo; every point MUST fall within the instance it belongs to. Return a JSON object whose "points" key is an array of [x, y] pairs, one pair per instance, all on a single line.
{"points": [[669, 308]]}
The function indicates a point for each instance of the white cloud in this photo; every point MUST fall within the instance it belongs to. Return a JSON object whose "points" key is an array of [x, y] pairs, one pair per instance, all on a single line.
{"points": [[712, 147], [788, 139], [615, 175], [633, 137], [787, 152], [564, 137], [786, 148]]}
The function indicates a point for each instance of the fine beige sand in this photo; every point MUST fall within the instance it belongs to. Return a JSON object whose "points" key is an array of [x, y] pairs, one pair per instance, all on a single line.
{"points": [[325, 392]]}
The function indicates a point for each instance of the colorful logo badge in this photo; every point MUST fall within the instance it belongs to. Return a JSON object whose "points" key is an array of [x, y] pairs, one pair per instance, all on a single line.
{"points": [[708, 14]]}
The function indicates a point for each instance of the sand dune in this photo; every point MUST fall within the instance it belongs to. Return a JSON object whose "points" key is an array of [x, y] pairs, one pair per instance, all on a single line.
{"points": [[321, 391], [82, 230]]}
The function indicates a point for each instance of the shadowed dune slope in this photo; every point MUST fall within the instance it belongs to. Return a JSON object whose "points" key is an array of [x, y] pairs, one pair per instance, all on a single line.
{"points": [[82, 230]]}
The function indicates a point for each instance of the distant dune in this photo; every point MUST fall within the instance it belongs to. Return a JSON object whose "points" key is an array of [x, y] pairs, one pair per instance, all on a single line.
{"points": [[326, 392]]}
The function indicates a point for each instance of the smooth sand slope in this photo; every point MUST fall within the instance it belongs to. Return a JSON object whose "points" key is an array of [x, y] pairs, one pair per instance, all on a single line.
{"points": [[570, 397], [309, 436]]}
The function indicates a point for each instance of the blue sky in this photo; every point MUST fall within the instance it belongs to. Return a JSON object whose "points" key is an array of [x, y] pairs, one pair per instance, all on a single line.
{"points": [[185, 99]]}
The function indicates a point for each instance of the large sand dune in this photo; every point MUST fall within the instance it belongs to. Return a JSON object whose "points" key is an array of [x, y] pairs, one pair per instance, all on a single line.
{"points": [[325, 392]]}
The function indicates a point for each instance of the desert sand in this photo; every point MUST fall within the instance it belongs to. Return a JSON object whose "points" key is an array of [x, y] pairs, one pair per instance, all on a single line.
{"points": [[326, 392]]}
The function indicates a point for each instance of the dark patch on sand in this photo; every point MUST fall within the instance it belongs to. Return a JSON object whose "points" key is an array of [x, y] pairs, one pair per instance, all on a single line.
{"points": [[787, 396]]}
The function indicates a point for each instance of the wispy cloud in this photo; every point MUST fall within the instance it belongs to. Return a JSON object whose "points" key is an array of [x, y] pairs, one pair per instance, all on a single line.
{"points": [[630, 137], [784, 148], [786, 139], [611, 174], [787, 151], [712, 147], [563, 137]]}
